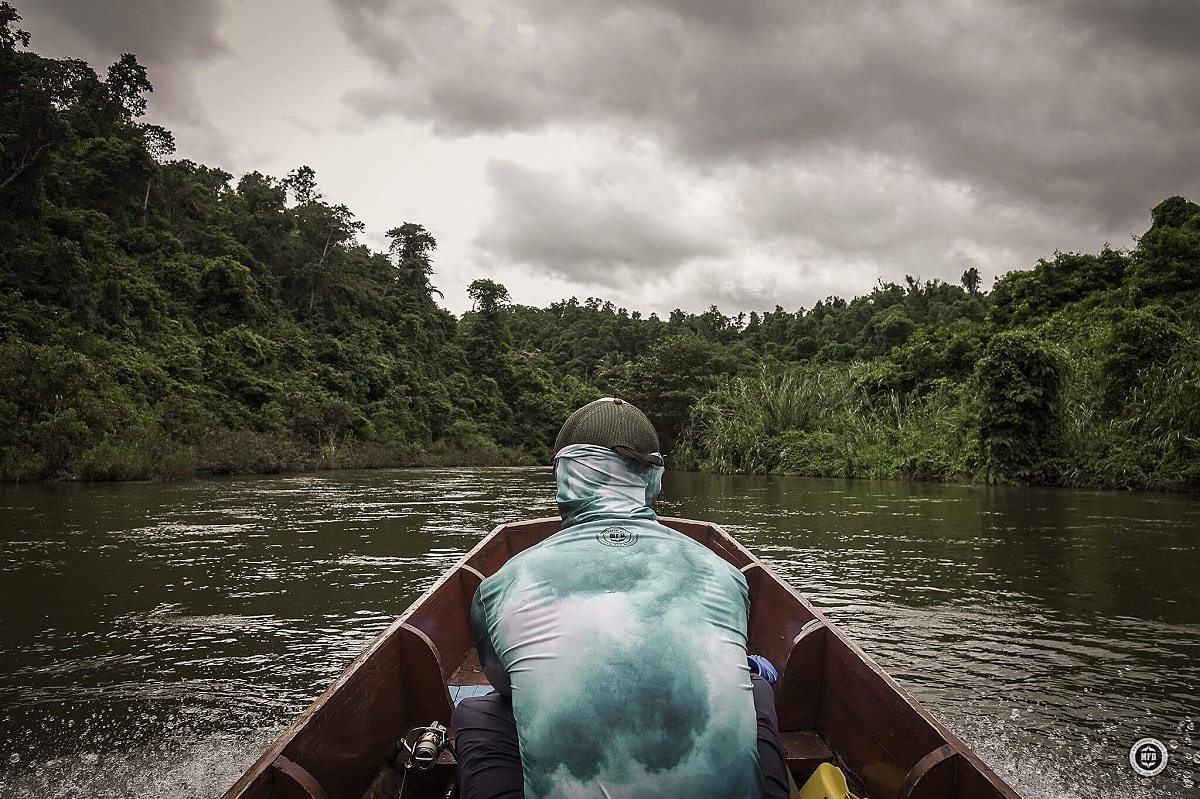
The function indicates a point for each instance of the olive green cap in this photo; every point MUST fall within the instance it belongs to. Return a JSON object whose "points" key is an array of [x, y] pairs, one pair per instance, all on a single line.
{"points": [[612, 423]]}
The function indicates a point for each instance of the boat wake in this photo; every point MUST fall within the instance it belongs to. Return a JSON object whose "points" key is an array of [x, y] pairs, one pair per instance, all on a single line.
{"points": [[170, 768], [1084, 768]]}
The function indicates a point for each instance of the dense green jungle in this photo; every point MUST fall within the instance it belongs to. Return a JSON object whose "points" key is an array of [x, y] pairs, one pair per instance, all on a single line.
{"points": [[159, 318]]}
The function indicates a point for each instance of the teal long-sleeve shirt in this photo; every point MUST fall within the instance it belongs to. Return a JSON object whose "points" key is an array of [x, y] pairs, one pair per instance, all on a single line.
{"points": [[622, 644]]}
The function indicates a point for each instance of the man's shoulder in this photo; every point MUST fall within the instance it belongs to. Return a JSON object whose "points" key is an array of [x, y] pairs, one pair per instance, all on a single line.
{"points": [[615, 540]]}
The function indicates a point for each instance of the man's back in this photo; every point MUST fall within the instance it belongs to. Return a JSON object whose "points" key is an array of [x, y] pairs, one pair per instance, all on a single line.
{"points": [[623, 646]]}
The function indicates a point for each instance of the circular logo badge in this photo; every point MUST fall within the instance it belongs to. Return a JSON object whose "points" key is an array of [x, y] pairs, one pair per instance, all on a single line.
{"points": [[1148, 757], [617, 537]]}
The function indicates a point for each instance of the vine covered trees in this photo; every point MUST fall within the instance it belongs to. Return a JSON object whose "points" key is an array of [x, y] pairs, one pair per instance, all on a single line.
{"points": [[1020, 395]]}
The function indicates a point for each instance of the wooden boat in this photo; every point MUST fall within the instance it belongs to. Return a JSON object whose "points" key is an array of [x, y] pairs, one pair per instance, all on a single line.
{"points": [[835, 704]]}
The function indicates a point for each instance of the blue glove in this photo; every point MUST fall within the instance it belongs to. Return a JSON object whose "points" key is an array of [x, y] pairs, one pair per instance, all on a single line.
{"points": [[762, 667]]}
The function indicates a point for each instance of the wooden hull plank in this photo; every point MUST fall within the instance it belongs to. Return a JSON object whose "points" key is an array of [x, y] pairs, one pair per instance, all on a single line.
{"points": [[345, 736], [934, 775], [805, 751], [290, 779], [470, 672], [798, 694], [427, 698], [445, 617]]}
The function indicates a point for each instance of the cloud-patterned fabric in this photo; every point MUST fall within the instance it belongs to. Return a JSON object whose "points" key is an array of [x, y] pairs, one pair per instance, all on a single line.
{"points": [[623, 646]]}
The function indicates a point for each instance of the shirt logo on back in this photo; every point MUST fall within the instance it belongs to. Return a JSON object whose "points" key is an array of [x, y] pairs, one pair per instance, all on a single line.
{"points": [[617, 537]]}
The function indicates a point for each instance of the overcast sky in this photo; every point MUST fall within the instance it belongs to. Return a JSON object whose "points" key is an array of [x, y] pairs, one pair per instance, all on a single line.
{"points": [[685, 153]]}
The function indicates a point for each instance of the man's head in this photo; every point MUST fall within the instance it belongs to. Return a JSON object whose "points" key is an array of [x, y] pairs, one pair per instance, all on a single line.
{"points": [[615, 424]]}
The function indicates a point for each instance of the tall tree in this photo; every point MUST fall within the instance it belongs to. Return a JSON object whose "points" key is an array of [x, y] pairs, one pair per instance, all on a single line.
{"points": [[302, 183], [487, 338], [970, 281], [412, 248], [127, 85]]}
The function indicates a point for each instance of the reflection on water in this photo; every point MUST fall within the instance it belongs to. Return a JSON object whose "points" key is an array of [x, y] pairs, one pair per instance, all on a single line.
{"points": [[157, 636]]}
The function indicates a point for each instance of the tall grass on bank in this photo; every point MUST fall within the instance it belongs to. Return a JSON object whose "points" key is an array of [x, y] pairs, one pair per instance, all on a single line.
{"points": [[830, 421], [1131, 408], [1152, 442], [842, 420]]}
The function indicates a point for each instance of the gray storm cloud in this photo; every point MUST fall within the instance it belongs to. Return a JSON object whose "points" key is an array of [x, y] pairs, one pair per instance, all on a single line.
{"points": [[788, 233], [604, 226], [1087, 105], [157, 31], [785, 150], [169, 38], [1167, 26]]}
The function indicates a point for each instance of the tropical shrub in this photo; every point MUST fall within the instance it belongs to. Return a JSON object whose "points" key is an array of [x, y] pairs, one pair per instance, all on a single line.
{"points": [[1020, 383]]}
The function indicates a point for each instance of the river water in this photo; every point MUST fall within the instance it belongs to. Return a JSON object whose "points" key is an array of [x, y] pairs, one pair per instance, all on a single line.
{"points": [[155, 637]]}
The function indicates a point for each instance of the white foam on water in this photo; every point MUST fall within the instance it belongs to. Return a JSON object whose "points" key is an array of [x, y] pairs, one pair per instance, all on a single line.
{"points": [[174, 768], [1087, 768]]}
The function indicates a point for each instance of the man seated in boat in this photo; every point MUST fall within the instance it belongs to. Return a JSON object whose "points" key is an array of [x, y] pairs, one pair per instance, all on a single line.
{"points": [[616, 647]]}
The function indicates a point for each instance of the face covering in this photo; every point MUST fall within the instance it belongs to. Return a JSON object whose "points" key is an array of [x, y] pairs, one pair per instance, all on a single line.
{"points": [[596, 483]]}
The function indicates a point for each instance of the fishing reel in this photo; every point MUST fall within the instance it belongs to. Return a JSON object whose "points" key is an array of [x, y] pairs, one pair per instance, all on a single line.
{"points": [[430, 743]]}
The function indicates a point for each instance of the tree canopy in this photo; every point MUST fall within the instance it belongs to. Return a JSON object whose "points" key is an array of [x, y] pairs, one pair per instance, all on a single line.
{"points": [[158, 317]]}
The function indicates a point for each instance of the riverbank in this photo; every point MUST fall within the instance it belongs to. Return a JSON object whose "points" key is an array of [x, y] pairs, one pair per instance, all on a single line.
{"points": [[796, 454], [833, 462], [248, 452]]}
